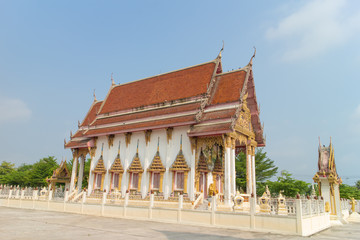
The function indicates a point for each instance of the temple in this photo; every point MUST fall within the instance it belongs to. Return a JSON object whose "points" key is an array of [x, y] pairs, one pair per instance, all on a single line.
{"points": [[170, 134]]}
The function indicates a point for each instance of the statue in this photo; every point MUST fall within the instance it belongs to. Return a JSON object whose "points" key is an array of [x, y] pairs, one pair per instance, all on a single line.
{"points": [[353, 203], [212, 190]]}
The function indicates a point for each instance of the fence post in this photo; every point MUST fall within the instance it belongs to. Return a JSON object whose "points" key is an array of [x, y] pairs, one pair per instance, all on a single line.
{"points": [[9, 196], [213, 209], [310, 207], [252, 200], [17, 193], [22, 193], [83, 201], [298, 215], [50, 194], [151, 205], [103, 202], [181, 199], [34, 197], [126, 202], [66, 197]]}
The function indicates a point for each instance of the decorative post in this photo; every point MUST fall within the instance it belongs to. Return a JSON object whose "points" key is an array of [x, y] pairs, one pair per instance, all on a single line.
{"points": [[74, 169], [227, 159], [81, 172], [298, 215]]}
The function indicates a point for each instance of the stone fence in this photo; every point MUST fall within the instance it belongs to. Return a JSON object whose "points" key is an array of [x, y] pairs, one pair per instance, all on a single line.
{"points": [[292, 216]]}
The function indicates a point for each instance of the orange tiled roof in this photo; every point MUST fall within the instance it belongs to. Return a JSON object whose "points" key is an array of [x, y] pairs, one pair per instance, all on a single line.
{"points": [[91, 115], [147, 114], [174, 99], [171, 86], [228, 87]]}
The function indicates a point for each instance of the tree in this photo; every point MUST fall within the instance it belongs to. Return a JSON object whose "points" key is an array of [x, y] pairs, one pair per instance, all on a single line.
{"points": [[264, 168], [357, 184], [5, 169], [349, 192], [288, 185], [41, 170], [20, 176]]}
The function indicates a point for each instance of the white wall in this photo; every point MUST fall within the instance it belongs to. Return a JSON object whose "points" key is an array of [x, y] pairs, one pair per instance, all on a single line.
{"points": [[168, 153]]}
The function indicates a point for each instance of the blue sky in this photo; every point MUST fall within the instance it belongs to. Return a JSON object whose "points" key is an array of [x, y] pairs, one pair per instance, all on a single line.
{"points": [[53, 54]]}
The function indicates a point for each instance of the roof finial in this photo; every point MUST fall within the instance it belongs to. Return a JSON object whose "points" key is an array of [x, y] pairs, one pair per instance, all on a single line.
{"points": [[119, 148], [319, 142], [253, 56], [181, 142], [112, 80], [221, 50], [137, 147], [330, 141], [94, 96]]}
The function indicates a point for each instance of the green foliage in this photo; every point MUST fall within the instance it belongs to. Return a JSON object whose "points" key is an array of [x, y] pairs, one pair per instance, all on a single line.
{"points": [[28, 175], [86, 173], [264, 168], [357, 184], [349, 192], [288, 185]]}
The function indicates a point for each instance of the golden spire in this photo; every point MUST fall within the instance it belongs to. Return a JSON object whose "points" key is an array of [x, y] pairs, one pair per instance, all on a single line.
{"points": [[119, 149], [181, 142], [158, 144], [137, 147]]}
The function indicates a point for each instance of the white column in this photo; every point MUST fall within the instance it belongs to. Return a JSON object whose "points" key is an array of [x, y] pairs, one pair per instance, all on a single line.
{"points": [[253, 175], [248, 174], [192, 176], [145, 175], [81, 173], [233, 172], [167, 177], [124, 182], [73, 174], [227, 177]]}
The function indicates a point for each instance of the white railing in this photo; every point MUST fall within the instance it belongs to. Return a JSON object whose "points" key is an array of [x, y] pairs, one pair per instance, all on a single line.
{"points": [[199, 199]]}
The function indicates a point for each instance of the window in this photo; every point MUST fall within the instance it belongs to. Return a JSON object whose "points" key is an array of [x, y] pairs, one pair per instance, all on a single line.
{"points": [[116, 181], [98, 180], [134, 180], [179, 180], [156, 180]]}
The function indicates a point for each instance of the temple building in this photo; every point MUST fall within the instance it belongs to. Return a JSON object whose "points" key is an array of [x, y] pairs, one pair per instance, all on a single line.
{"points": [[173, 133]]}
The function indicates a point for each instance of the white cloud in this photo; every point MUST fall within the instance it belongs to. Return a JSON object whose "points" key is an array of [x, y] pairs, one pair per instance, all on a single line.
{"points": [[315, 28], [13, 110]]}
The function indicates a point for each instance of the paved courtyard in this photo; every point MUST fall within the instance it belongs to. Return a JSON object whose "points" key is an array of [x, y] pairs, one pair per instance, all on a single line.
{"points": [[41, 225]]}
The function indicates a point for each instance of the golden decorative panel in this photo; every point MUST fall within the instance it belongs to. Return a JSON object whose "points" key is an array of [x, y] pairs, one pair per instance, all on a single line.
{"points": [[111, 140], [169, 134], [147, 136], [128, 138]]}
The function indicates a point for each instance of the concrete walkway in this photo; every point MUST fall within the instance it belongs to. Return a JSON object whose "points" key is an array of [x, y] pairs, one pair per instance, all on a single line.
{"points": [[41, 225]]}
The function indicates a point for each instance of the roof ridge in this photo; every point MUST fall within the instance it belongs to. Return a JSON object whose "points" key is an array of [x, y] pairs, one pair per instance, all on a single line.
{"points": [[245, 69], [87, 114], [177, 70]]}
